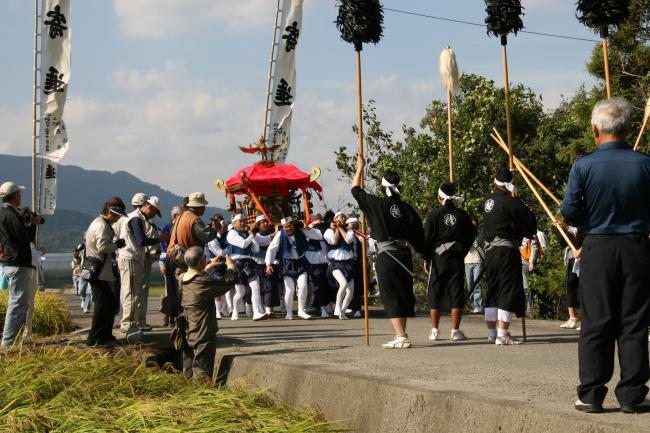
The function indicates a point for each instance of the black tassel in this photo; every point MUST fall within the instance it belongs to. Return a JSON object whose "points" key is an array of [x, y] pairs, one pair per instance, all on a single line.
{"points": [[600, 14], [503, 18], [360, 21]]}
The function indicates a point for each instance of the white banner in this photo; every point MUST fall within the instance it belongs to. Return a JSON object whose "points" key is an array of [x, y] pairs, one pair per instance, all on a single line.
{"points": [[284, 80], [55, 76], [49, 176]]}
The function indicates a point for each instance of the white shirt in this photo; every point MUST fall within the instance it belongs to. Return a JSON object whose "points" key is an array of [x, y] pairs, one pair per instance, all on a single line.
{"points": [[214, 247], [272, 252], [317, 257], [260, 241], [340, 253], [235, 239]]}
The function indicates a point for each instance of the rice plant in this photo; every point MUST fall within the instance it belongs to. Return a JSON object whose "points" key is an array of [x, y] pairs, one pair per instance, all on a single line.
{"points": [[67, 389], [51, 315]]}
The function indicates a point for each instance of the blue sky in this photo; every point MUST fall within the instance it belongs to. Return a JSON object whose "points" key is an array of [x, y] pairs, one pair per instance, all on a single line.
{"points": [[167, 89]]}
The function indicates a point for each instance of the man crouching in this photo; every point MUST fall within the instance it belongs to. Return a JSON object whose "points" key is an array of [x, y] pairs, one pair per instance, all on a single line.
{"points": [[197, 292]]}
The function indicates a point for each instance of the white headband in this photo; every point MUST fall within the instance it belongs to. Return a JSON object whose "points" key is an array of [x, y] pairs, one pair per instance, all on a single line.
{"points": [[452, 198], [238, 217], [260, 218], [508, 185], [286, 220], [389, 187]]}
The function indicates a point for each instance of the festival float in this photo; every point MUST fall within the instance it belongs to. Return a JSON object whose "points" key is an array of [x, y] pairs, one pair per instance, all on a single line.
{"points": [[270, 186]]}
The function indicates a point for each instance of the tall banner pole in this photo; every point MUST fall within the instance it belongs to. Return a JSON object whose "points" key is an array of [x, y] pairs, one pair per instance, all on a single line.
{"points": [[269, 78], [504, 47], [364, 258], [604, 33], [35, 103]]}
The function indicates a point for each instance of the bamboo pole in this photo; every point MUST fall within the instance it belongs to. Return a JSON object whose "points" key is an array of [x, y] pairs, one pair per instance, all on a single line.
{"points": [[638, 139], [449, 133], [606, 59], [528, 172], [34, 104], [541, 201], [364, 258], [504, 48], [270, 77]]}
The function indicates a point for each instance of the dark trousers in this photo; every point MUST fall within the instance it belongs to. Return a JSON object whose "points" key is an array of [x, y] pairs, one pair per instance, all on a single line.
{"points": [[198, 359], [101, 329], [323, 292], [170, 302], [615, 300]]}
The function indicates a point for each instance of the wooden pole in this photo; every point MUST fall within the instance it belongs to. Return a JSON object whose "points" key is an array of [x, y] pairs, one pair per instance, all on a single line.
{"points": [[364, 258], [305, 201], [504, 48], [541, 201], [606, 58], [638, 139], [35, 104], [449, 131], [258, 204], [270, 77], [528, 172]]}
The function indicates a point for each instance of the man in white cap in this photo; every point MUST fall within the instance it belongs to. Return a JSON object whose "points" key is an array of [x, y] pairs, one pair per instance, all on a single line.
{"points": [[138, 200], [316, 254], [269, 284], [131, 261], [241, 252], [291, 243], [342, 265], [16, 233]]}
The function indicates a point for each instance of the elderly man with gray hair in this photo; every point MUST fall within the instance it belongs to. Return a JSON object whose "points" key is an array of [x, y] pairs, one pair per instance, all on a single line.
{"points": [[198, 288], [608, 196]]}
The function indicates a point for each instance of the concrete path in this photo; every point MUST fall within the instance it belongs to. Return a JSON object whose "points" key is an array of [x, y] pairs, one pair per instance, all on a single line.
{"points": [[472, 382]]}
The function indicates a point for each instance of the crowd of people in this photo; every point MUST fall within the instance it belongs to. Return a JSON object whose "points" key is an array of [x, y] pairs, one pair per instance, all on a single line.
{"points": [[249, 266]]}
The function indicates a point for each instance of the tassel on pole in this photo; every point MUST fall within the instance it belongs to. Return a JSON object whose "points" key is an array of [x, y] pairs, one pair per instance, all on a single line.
{"points": [[361, 22], [450, 77], [646, 118]]}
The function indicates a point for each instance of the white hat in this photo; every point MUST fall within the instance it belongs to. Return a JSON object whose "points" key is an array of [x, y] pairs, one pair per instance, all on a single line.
{"points": [[10, 188], [237, 217], [352, 220], [196, 199], [139, 199], [286, 220], [338, 214], [260, 218], [155, 202]]}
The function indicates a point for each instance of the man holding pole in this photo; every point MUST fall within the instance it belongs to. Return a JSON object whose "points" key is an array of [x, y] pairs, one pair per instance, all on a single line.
{"points": [[506, 221], [608, 194], [395, 226]]}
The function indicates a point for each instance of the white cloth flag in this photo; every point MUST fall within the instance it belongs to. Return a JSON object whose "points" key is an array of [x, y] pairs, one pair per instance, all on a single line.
{"points": [[284, 80], [49, 175], [55, 76]]}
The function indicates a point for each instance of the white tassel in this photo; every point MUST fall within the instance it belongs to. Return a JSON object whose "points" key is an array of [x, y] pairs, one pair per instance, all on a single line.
{"points": [[449, 69], [646, 116]]}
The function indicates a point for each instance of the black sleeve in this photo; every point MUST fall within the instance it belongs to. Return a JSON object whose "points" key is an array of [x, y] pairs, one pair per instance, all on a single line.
{"points": [[468, 233], [430, 233], [364, 199], [137, 227], [523, 219], [417, 233]]}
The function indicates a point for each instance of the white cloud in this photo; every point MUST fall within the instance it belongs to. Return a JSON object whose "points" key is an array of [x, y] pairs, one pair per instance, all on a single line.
{"points": [[546, 5], [160, 19]]}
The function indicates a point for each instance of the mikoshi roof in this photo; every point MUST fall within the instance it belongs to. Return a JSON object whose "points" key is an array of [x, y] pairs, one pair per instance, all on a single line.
{"points": [[273, 180]]}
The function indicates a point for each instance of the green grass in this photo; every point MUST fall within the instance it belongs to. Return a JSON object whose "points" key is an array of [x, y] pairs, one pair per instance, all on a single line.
{"points": [[51, 315], [66, 389], [156, 291]]}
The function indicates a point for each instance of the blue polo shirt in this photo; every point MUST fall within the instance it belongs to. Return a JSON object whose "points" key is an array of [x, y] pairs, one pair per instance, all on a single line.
{"points": [[608, 192]]}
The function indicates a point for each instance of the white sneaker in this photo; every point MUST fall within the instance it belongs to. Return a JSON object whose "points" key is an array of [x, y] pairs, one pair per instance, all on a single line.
{"points": [[434, 335], [288, 317], [458, 336], [357, 315], [257, 317], [348, 311], [398, 343], [572, 323], [337, 312], [342, 316], [234, 317], [578, 328], [304, 315], [507, 341]]}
